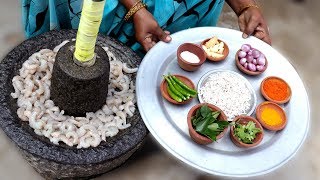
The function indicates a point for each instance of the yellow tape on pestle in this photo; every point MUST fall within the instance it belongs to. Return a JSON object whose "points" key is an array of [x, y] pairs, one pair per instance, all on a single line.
{"points": [[90, 21]]}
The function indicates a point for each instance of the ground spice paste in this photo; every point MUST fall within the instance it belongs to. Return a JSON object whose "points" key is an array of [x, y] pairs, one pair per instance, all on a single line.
{"points": [[276, 89]]}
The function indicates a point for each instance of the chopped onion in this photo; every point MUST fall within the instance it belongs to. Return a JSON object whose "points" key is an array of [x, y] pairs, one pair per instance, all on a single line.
{"points": [[255, 53], [249, 59], [245, 47], [252, 67], [242, 54], [261, 60], [243, 60]]}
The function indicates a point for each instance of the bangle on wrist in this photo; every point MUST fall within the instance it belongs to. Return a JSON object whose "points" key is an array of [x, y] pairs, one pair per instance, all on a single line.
{"points": [[135, 8], [247, 7]]}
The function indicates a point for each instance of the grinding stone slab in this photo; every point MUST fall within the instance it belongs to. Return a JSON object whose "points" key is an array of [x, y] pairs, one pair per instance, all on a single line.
{"points": [[53, 161]]}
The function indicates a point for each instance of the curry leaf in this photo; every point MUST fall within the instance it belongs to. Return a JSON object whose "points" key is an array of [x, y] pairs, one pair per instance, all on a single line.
{"points": [[198, 114], [213, 127], [202, 125], [211, 134], [223, 124], [205, 123], [215, 114], [205, 110], [195, 120]]}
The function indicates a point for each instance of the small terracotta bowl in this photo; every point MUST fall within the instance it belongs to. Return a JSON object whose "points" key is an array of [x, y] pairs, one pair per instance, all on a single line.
{"points": [[198, 138], [164, 91], [245, 120], [246, 71], [225, 51], [278, 109], [195, 49], [273, 100]]}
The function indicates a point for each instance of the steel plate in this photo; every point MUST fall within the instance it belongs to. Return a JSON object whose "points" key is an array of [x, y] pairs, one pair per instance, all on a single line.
{"points": [[168, 124]]}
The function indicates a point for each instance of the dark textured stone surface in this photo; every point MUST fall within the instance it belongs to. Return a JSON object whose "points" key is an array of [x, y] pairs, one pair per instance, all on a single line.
{"points": [[54, 161], [77, 89]]}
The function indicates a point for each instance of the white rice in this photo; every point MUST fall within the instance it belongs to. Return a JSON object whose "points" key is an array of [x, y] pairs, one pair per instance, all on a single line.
{"points": [[227, 91]]}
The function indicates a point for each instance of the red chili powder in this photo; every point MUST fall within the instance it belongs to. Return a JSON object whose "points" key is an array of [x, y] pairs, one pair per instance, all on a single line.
{"points": [[276, 89]]}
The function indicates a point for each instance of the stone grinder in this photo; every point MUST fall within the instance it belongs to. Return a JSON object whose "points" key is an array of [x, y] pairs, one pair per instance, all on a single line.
{"points": [[81, 71], [71, 83]]}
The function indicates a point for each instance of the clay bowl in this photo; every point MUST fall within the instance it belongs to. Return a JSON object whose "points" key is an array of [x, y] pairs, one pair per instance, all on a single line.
{"points": [[215, 59], [198, 138], [245, 120], [164, 91], [246, 71], [195, 49], [273, 100], [278, 109]]}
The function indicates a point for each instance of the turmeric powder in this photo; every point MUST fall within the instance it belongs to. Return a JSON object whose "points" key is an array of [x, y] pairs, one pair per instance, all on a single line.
{"points": [[271, 116]]}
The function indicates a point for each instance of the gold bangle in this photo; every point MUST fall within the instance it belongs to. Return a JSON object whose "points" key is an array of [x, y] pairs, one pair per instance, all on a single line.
{"points": [[247, 7], [134, 9], [127, 16], [136, 3]]}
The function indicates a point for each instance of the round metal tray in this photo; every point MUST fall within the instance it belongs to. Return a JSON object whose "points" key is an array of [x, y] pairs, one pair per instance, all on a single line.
{"points": [[168, 122]]}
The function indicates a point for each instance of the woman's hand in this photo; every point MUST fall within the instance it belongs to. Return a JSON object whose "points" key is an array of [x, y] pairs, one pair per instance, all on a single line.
{"points": [[251, 22], [147, 30]]}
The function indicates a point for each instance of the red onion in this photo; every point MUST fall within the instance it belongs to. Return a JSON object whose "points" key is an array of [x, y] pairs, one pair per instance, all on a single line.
{"points": [[256, 53], [245, 47], [245, 65], [242, 54], [261, 61], [260, 68], [249, 59], [252, 67], [243, 61], [254, 61]]}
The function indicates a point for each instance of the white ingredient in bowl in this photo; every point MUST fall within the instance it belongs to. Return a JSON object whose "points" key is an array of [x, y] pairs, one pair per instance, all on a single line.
{"points": [[227, 91], [190, 57]]}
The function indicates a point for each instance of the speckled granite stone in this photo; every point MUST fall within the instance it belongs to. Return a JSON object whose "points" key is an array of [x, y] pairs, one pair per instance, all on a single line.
{"points": [[61, 161], [77, 89]]}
